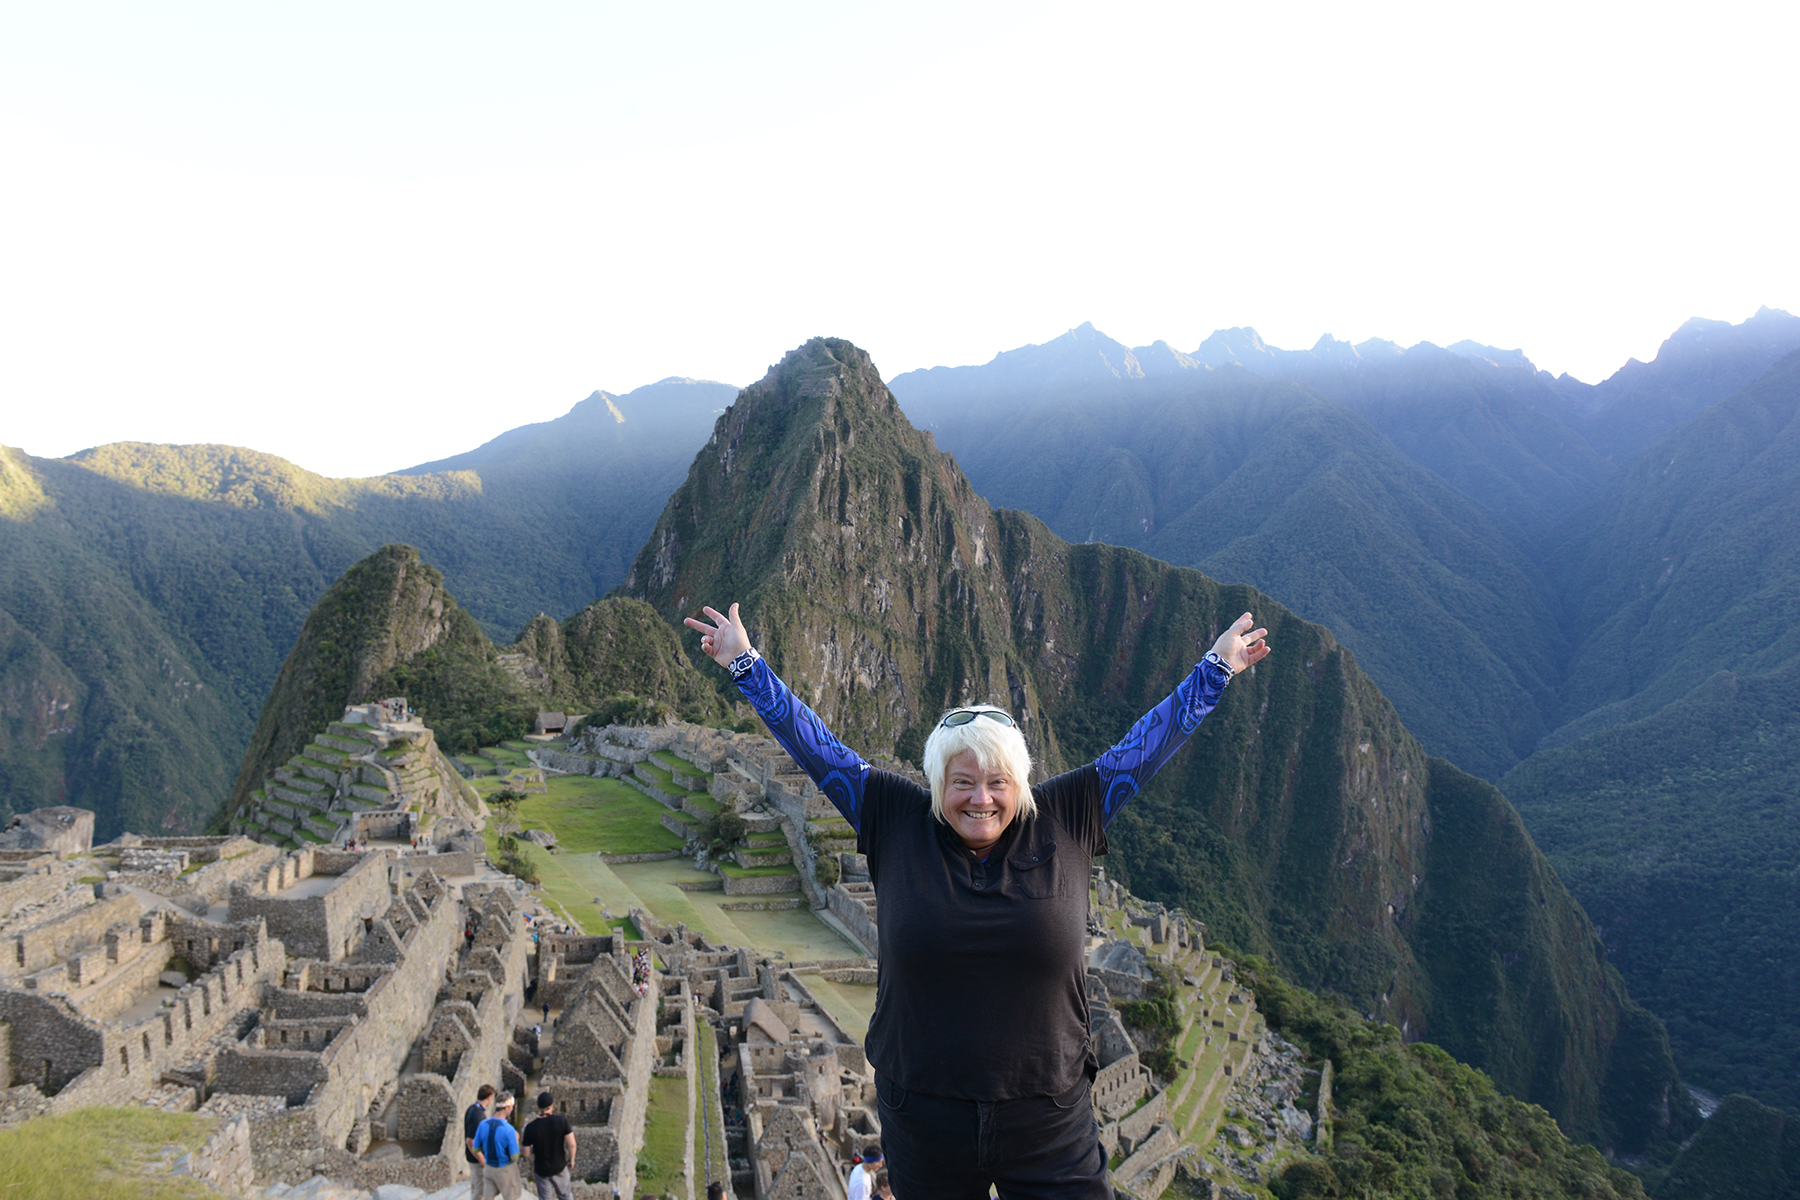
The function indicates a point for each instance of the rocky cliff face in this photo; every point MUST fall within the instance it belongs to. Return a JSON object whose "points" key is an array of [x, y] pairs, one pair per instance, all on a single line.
{"points": [[1304, 821], [385, 610]]}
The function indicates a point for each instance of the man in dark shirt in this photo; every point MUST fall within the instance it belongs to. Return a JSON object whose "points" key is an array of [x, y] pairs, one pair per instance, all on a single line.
{"points": [[550, 1141], [472, 1119]]}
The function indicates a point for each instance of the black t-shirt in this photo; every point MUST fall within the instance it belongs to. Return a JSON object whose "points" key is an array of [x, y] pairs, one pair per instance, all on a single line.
{"points": [[472, 1120], [545, 1136], [982, 992]]}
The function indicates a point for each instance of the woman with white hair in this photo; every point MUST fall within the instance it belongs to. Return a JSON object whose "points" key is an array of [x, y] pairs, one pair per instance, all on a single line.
{"points": [[980, 1037]]}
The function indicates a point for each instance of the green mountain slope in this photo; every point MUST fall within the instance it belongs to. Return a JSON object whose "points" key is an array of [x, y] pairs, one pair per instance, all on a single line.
{"points": [[388, 627], [1680, 833], [1745, 1152], [1304, 820], [611, 656], [149, 594], [1261, 482], [388, 611], [1691, 563]]}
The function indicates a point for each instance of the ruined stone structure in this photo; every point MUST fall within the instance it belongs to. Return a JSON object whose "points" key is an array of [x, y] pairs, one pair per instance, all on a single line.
{"points": [[375, 774], [328, 1005]]}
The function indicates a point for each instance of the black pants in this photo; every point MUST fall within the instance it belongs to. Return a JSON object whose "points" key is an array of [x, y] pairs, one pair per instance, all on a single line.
{"points": [[1038, 1148]]}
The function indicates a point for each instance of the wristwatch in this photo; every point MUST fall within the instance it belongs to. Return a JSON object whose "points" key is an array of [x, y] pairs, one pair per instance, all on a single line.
{"points": [[740, 666], [1212, 656]]}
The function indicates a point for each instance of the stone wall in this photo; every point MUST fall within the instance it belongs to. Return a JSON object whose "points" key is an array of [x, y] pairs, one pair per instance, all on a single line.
{"points": [[39, 885], [327, 925], [56, 940], [855, 916], [443, 863], [759, 885], [225, 1160], [81, 1061], [371, 1052]]}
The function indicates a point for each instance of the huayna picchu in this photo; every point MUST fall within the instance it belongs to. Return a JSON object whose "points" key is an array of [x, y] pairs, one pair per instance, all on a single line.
{"points": [[884, 590]]}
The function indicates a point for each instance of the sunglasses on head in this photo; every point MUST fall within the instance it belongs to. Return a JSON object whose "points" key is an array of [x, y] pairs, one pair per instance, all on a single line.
{"points": [[962, 716]]}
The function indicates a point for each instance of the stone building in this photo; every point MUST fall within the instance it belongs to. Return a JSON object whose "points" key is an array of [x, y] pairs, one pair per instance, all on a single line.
{"points": [[325, 1002]]}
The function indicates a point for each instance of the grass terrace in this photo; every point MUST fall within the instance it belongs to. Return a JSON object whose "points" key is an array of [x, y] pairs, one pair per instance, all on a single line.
{"points": [[103, 1154], [665, 1138], [736, 872]]}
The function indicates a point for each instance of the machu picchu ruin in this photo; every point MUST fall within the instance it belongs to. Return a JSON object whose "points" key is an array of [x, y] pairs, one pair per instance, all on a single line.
{"points": [[375, 774], [333, 1010]]}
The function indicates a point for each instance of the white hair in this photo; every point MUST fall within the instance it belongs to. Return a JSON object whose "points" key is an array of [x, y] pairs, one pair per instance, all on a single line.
{"points": [[995, 746]]}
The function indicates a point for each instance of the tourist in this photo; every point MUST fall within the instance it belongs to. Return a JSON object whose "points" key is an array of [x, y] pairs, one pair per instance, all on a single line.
{"points": [[472, 1119], [497, 1146], [862, 1175], [550, 1141], [980, 1042], [883, 1191], [715, 1191]]}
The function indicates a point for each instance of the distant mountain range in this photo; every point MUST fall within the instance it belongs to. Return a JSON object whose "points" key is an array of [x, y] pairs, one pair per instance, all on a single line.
{"points": [[1544, 577]]}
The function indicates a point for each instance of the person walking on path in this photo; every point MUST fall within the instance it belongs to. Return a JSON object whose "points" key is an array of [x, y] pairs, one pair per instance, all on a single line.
{"points": [[550, 1142], [497, 1146], [980, 1041], [472, 1119]]}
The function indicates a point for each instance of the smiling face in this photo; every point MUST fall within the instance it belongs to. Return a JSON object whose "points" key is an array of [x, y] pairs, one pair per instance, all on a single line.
{"points": [[979, 802]]}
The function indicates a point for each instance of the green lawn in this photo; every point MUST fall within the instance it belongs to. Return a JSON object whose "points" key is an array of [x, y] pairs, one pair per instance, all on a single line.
{"points": [[665, 1138], [591, 815], [674, 762], [98, 1154], [709, 1140], [663, 780], [587, 815]]}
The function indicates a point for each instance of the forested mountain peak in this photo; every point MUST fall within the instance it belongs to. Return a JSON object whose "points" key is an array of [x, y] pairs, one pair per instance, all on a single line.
{"points": [[389, 608]]}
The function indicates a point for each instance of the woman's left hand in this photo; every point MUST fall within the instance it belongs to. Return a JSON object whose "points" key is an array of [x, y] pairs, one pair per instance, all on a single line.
{"points": [[1240, 646], [723, 640]]}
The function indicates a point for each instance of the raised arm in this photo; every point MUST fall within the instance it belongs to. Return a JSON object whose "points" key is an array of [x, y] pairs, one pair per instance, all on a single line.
{"points": [[1165, 729], [839, 773]]}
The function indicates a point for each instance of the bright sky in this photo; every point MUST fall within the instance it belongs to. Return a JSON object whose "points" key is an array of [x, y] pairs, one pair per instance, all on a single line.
{"points": [[364, 235]]}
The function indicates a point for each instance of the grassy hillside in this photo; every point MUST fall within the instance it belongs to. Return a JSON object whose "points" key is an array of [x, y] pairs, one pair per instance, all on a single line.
{"points": [[1415, 1122]]}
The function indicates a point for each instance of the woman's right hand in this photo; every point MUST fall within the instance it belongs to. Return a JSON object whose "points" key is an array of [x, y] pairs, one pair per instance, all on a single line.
{"points": [[725, 639]]}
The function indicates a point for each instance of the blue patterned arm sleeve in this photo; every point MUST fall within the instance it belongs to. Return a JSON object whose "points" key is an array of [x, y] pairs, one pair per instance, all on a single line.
{"points": [[1159, 733], [838, 772]]}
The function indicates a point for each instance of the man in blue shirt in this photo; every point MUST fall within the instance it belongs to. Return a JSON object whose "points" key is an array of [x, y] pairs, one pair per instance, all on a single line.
{"points": [[497, 1147]]}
